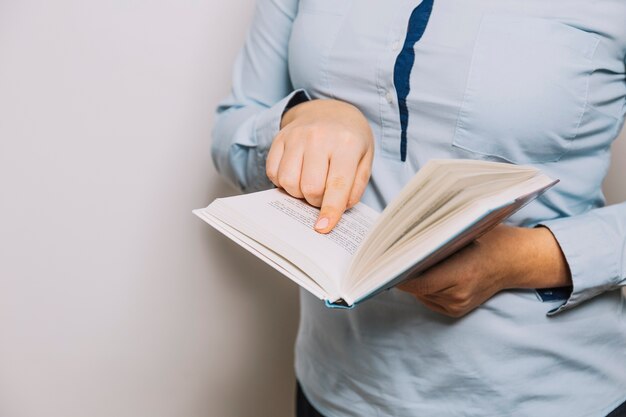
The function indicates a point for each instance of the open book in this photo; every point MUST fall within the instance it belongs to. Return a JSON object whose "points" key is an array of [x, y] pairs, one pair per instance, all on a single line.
{"points": [[444, 207]]}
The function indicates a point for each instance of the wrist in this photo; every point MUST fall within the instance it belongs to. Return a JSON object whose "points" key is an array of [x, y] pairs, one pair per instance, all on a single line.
{"points": [[290, 112], [324, 109], [538, 261]]}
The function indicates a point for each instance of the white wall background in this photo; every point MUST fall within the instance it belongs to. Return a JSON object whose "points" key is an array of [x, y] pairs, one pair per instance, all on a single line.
{"points": [[114, 299]]}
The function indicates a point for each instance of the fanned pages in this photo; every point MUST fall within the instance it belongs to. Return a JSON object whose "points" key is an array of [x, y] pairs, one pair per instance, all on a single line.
{"points": [[447, 205]]}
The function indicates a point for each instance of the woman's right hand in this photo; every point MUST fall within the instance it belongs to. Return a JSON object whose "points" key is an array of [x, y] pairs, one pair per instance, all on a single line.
{"points": [[323, 153]]}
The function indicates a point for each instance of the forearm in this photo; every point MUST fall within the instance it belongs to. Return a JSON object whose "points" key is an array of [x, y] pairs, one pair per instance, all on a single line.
{"points": [[535, 258], [248, 120]]}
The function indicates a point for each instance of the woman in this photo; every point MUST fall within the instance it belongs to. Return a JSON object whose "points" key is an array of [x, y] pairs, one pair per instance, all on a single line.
{"points": [[338, 101]]}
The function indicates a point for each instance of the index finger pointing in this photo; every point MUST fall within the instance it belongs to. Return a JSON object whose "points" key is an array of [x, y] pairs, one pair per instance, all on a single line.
{"points": [[341, 174]]}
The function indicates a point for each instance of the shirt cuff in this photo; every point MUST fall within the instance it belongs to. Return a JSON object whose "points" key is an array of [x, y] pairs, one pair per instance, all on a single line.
{"points": [[592, 256]]}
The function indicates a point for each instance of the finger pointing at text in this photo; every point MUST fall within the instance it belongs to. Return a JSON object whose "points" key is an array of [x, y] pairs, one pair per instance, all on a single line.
{"points": [[323, 154]]}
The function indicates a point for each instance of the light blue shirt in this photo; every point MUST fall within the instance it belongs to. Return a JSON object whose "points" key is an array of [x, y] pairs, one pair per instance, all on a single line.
{"points": [[532, 82]]}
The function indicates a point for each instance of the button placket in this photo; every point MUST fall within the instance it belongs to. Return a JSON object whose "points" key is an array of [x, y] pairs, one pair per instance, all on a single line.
{"points": [[389, 97], [389, 112]]}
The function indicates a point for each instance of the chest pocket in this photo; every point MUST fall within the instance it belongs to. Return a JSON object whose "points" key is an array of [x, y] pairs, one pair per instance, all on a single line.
{"points": [[527, 89]]}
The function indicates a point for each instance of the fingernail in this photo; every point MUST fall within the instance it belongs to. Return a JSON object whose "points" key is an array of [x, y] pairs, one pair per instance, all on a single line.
{"points": [[322, 223]]}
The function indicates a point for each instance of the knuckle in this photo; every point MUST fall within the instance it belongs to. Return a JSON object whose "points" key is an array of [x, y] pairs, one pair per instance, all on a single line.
{"points": [[364, 176], [291, 137], [288, 182], [460, 309], [309, 132], [355, 197], [354, 200], [315, 202], [312, 190], [466, 303], [337, 182], [458, 298], [348, 139], [465, 296], [331, 210], [271, 173], [311, 135]]}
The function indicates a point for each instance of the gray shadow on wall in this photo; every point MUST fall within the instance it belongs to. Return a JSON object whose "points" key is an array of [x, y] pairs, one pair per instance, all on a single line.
{"points": [[261, 309], [615, 183]]}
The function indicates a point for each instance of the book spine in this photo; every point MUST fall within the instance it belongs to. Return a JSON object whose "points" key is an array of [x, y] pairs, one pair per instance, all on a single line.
{"points": [[339, 304]]}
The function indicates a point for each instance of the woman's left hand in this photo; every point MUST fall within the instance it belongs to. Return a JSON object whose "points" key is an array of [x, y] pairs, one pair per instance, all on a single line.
{"points": [[504, 258]]}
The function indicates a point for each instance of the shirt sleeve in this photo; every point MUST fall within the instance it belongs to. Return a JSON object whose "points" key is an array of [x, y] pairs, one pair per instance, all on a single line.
{"points": [[594, 245], [249, 118]]}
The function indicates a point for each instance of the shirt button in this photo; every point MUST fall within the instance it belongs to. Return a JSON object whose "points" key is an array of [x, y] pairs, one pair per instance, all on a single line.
{"points": [[389, 97], [395, 46]]}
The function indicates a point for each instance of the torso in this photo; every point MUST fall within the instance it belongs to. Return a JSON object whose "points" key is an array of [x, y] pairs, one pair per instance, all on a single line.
{"points": [[531, 82]]}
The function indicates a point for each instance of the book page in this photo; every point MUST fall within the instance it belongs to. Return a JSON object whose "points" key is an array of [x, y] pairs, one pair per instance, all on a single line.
{"points": [[284, 224], [440, 184], [347, 235], [266, 255], [445, 238]]}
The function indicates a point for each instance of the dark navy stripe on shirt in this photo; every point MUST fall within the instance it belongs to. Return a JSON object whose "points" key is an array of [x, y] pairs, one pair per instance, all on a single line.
{"points": [[404, 65]]}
